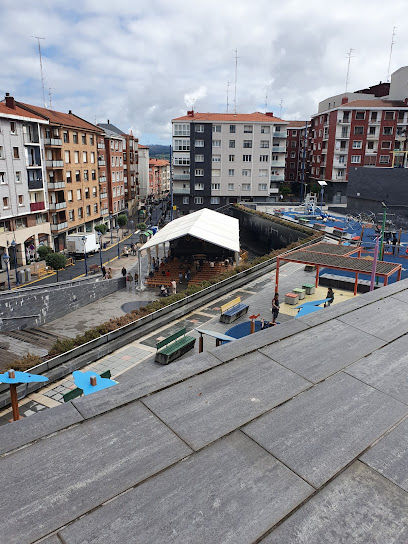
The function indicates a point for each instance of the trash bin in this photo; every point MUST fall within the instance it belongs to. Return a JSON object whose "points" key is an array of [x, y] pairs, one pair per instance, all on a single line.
{"points": [[27, 274], [20, 276], [104, 245]]}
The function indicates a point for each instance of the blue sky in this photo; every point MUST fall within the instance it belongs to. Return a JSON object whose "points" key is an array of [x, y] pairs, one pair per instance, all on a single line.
{"points": [[139, 64]]}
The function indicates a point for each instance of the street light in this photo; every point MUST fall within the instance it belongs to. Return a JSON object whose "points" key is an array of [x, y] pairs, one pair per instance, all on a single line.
{"points": [[322, 184], [6, 259], [100, 247], [86, 267], [110, 227], [117, 230], [14, 245]]}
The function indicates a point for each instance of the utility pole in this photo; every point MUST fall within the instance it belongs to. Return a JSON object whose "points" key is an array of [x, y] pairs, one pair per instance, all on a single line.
{"points": [[236, 71], [50, 97], [228, 84], [392, 43], [350, 56], [266, 100], [38, 38]]}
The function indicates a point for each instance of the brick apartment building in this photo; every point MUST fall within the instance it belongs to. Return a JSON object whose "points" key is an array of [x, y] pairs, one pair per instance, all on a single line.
{"points": [[296, 160], [362, 129], [223, 158], [72, 172], [159, 178], [23, 191]]}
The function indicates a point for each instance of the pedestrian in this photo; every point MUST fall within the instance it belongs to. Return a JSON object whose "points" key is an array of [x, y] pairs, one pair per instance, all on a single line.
{"points": [[124, 271], [188, 275], [394, 242], [109, 275], [129, 281], [103, 270], [330, 296], [174, 287], [180, 277], [275, 307]]}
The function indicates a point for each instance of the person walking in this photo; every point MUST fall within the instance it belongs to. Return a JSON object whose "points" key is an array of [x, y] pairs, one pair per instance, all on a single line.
{"points": [[124, 271], [180, 277], [275, 307], [330, 296], [103, 270], [109, 274], [174, 287]]}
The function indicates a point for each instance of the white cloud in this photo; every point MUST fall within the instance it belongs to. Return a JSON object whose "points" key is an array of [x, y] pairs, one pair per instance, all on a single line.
{"points": [[140, 64]]}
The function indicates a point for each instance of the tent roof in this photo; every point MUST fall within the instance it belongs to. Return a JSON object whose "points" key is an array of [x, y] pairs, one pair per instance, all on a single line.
{"points": [[214, 227]]}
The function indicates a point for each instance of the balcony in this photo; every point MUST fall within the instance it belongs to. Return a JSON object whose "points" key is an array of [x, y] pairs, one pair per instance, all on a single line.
{"points": [[344, 121], [322, 151], [30, 139], [337, 164], [278, 164], [102, 196], [401, 137], [53, 142], [105, 211], [58, 205], [181, 177], [101, 145], [35, 184], [280, 134], [374, 121], [273, 190], [277, 177], [59, 226], [37, 206], [181, 191], [56, 185], [372, 136], [101, 162], [278, 149], [54, 164], [102, 179]]}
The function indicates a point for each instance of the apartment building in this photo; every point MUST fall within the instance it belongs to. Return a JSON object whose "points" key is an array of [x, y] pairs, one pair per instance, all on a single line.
{"points": [[144, 182], [359, 130], [72, 172], [223, 158], [296, 160], [159, 178], [24, 222]]}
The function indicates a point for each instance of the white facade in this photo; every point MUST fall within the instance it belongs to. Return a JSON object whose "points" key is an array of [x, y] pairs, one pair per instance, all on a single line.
{"points": [[143, 157]]}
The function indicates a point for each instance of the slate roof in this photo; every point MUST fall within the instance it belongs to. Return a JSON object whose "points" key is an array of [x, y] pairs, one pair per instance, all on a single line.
{"points": [[112, 128], [295, 435]]}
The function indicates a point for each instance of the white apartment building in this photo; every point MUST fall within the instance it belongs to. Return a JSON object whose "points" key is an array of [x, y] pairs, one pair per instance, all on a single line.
{"points": [[223, 158], [23, 190], [143, 155]]}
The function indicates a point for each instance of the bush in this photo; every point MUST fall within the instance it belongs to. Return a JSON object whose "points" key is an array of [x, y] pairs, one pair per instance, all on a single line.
{"points": [[26, 362], [102, 228], [43, 251], [56, 260], [141, 226]]}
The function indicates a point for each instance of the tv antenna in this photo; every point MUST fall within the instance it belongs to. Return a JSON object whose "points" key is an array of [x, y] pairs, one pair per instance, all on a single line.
{"points": [[266, 100], [236, 71], [349, 56], [50, 96], [392, 43], [228, 84], [38, 38], [280, 108]]}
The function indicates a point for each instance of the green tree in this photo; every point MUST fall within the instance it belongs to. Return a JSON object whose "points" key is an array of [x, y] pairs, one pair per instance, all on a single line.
{"points": [[285, 190], [57, 261], [102, 228], [43, 251], [315, 188], [122, 220], [141, 226]]}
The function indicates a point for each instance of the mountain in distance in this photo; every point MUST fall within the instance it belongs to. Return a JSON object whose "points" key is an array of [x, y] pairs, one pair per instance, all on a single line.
{"points": [[157, 151]]}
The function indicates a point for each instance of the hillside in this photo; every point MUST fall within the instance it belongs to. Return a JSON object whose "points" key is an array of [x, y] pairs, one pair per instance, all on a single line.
{"points": [[158, 151]]}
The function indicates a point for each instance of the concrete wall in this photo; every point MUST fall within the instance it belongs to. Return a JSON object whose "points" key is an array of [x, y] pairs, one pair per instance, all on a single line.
{"points": [[35, 306]]}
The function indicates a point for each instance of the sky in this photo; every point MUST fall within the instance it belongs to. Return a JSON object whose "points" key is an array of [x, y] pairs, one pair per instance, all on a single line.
{"points": [[140, 64]]}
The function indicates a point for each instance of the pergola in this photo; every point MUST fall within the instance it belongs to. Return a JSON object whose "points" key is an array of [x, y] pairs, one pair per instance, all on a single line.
{"points": [[337, 257]]}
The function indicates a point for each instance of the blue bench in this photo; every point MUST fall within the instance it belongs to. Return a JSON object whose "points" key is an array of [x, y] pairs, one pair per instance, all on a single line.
{"points": [[233, 310]]}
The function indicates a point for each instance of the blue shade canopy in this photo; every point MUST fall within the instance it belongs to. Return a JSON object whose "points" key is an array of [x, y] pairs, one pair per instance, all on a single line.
{"points": [[307, 310], [312, 303], [22, 377], [83, 381]]}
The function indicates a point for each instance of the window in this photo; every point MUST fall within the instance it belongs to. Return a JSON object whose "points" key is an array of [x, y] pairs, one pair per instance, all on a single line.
{"points": [[84, 139], [181, 145], [215, 186], [79, 194], [1, 152], [75, 137], [12, 128], [246, 172], [319, 145], [184, 161], [93, 174], [199, 158], [215, 200], [216, 158], [373, 116], [263, 173], [216, 143], [389, 115], [355, 159], [291, 176], [370, 145], [199, 128], [248, 143], [95, 208], [182, 130], [186, 200], [71, 215], [91, 139], [387, 131], [357, 144], [112, 144], [247, 129], [340, 173], [68, 177], [292, 165], [199, 186], [293, 154], [384, 159], [199, 172], [198, 200], [86, 175], [263, 158], [232, 129], [114, 191], [265, 129], [216, 173], [246, 158], [20, 200], [230, 186], [5, 202], [216, 128], [231, 158], [70, 196], [92, 157], [265, 144], [360, 115], [293, 144], [65, 136], [294, 132], [320, 135], [232, 143], [88, 210], [76, 157], [231, 172], [16, 153], [199, 143], [385, 145], [246, 186], [262, 186], [77, 175], [358, 130], [371, 130], [79, 213], [94, 191]]}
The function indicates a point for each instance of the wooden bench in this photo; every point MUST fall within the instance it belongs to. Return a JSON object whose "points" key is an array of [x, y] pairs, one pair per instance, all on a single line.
{"points": [[233, 310], [174, 346], [78, 392], [94, 268]]}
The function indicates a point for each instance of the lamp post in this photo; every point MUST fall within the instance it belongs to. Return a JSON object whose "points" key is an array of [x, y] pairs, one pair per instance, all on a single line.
{"points": [[383, 229], [6, 259], [86, 267], [14, 246], [110, 227], [100, 248], [322, 184], [117, 230]]}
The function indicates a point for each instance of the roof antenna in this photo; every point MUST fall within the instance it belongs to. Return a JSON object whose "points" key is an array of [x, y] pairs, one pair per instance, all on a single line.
{"points": [[228, 84], [392, 43], [350, 56], [266, 100], [236, 71], [38, 38], [50, 96], [280, 108]]}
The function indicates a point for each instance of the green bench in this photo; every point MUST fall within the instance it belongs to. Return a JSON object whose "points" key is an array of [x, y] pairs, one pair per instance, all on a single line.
{"points": [[77, 392], [174, 346]]}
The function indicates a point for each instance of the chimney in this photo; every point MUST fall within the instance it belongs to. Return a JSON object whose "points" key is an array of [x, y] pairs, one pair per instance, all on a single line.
{"points": [[108, 122], [70, 112], [344, 100], [269, 113], [10, 103], [190, 113]]}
